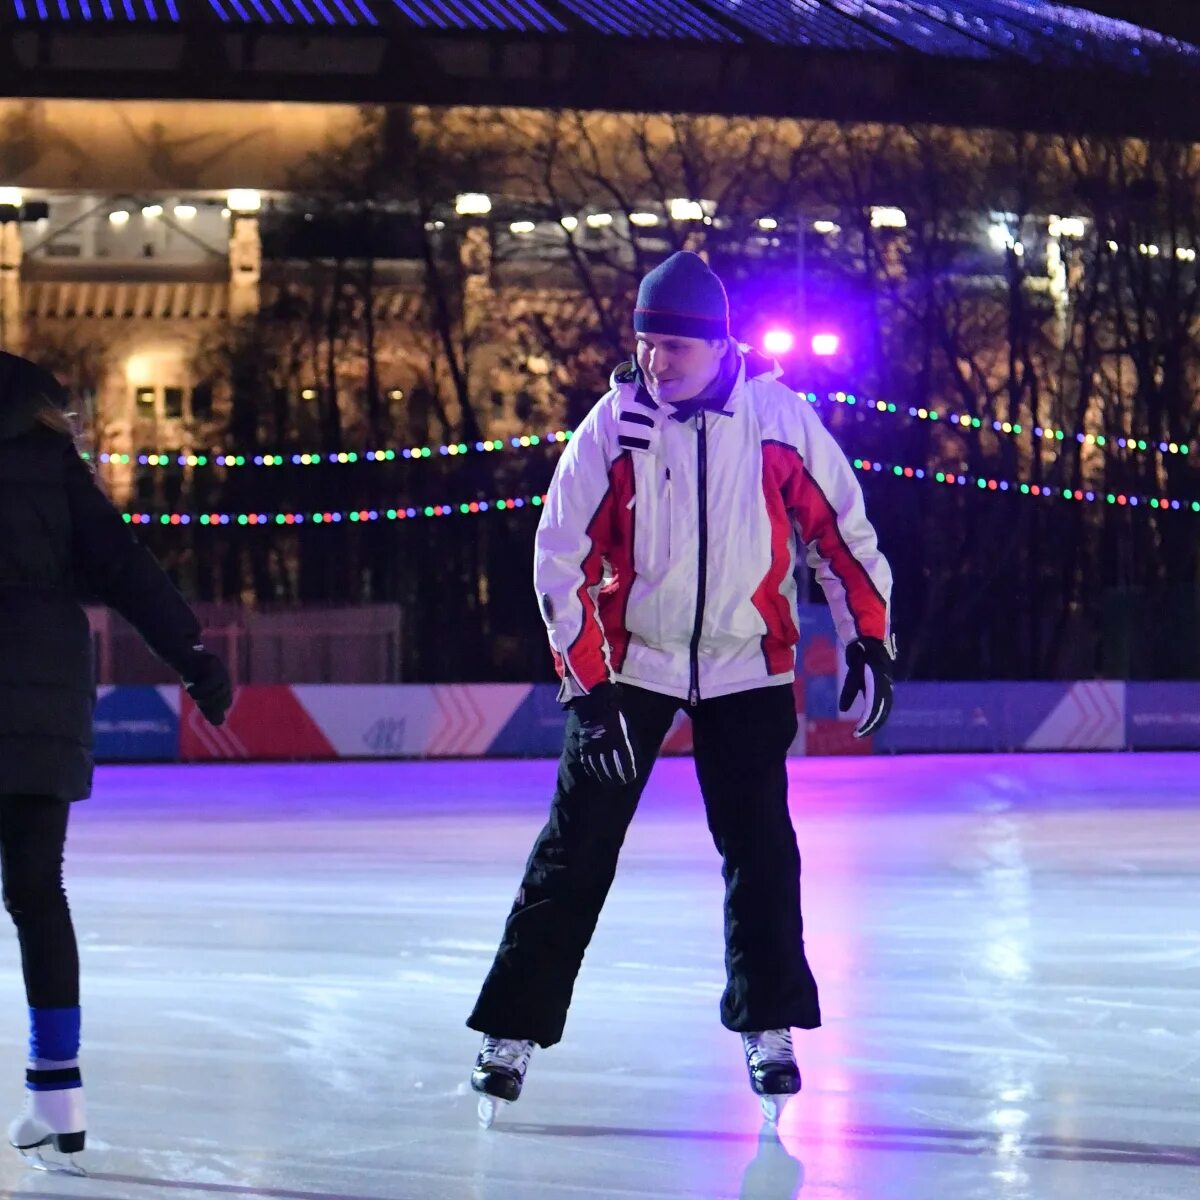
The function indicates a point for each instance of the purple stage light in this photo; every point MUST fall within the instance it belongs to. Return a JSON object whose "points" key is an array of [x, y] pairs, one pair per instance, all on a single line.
{"points": [[778, 341], [825, 345]]}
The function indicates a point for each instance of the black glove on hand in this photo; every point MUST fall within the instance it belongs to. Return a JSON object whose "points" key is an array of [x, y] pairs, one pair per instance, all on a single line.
{"points": [[208, 684], [869, 671], [605, 747]]}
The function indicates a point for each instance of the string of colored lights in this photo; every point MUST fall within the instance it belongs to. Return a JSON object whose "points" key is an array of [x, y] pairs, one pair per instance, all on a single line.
{"points": [[1047, 491], [312, 458], [355, 516], [342, 458], [1011, 428], [867, 466]]}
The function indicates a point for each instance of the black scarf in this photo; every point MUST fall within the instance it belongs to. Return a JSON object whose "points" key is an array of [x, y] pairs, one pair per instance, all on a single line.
{"points": [[716, 395]]}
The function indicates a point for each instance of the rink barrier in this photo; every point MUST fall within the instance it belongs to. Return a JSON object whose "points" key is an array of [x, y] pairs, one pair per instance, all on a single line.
{"points": [[308, 722], [136, 724]]}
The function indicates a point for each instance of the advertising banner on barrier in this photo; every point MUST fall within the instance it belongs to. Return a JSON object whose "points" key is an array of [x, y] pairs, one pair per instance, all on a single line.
{"points": [[820, 674], [535, 727], [1085, 716], [947, 716], [431, 721], [471, 720], [1163, 716], [136, 724], [952, 717], [315, 721]]}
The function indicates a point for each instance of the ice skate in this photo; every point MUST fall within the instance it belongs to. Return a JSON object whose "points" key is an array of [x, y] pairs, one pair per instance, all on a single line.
{"points": [[499, 1074], [774, 1075], [51, 1118]]}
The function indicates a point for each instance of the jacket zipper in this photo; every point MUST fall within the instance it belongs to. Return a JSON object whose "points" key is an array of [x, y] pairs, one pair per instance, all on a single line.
{"points": [[702, 565]]}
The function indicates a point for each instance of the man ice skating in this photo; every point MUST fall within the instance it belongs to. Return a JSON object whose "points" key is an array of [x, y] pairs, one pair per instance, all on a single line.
{"points": [[664, 568]]}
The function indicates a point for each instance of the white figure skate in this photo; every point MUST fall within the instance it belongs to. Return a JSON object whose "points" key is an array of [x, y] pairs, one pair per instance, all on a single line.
{"points": [[57, 1119]]}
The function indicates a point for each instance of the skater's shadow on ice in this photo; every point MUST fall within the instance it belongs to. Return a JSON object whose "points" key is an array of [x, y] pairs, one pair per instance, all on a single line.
{"points": [[615, 1131], [772, 1174]]}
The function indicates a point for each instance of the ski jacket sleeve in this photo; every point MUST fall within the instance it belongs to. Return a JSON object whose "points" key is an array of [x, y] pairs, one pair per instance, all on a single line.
{"points": [[831, 521], [573, 550], [122, 573]]}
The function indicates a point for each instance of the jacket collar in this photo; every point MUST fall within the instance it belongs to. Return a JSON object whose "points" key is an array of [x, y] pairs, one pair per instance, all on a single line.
{"points": [[740, 364]]}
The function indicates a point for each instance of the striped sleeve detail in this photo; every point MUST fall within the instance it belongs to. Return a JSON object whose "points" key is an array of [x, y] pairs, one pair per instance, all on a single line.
{"points": [[582, 551], [779, 466], [588, 656], [826, 504], [613, 598], [821, 529]]}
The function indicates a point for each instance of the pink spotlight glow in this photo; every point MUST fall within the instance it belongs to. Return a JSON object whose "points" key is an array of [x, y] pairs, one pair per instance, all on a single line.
{"points": [[825, 345], [778, 341]]}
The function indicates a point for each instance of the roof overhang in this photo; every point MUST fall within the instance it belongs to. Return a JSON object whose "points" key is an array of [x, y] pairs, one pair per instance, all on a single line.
{"points": [[381, 64]]}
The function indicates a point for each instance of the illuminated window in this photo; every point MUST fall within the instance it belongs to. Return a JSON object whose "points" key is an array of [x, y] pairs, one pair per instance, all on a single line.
{"points": [[145, 397]]}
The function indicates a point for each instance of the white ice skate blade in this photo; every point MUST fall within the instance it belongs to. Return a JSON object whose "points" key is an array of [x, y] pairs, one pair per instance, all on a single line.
{"points": [[773, 1106], [34, 1160], [488, 1107]]}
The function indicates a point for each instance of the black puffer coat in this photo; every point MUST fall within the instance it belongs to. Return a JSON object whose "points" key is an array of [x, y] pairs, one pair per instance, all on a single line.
{"points": [[61, 539]]}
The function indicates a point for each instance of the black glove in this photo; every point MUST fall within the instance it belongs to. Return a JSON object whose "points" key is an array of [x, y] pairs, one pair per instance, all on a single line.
{"points": [[605, 747], [869, 671], [208, 684]]}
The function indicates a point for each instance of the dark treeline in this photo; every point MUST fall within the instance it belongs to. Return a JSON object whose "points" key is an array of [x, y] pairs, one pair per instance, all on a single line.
{"points": [[1044, 282]]}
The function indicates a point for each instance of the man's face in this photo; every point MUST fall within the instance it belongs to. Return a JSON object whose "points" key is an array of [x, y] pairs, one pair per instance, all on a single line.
{"points": [[677, 368]]}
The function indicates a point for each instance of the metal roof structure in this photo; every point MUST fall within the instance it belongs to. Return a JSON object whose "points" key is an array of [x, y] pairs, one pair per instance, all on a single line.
{"points": [[981, 29], [1024, 63]]}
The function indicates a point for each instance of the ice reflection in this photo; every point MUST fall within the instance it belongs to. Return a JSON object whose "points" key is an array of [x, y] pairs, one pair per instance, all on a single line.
{"points": [[1006, 881]]}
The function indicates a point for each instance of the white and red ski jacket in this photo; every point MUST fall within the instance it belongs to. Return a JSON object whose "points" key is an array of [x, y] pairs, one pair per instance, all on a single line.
{"points": [[666, 550]]}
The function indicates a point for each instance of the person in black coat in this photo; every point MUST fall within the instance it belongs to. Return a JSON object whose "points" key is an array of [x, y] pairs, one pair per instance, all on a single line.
{"points": [[61, 540]]}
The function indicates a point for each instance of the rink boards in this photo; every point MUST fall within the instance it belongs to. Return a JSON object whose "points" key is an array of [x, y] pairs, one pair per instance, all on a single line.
{"points": [[316, 721], [470, 720]]}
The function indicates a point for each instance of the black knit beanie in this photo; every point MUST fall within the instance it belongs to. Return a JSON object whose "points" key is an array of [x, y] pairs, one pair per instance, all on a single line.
{"points": [[682, 296]]}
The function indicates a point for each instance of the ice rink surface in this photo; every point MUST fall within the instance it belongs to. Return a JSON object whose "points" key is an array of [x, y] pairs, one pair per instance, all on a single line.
{"points": [[278, 961]]}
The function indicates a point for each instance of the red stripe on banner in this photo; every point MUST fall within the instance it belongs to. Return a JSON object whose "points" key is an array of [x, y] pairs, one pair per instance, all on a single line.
{"points": [[782, 635], [460, 723], [266, 721], [611, 534]]}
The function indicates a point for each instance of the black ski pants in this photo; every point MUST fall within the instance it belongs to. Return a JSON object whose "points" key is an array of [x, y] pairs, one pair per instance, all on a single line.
{"points": [[741, 744], [33, 833]]}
